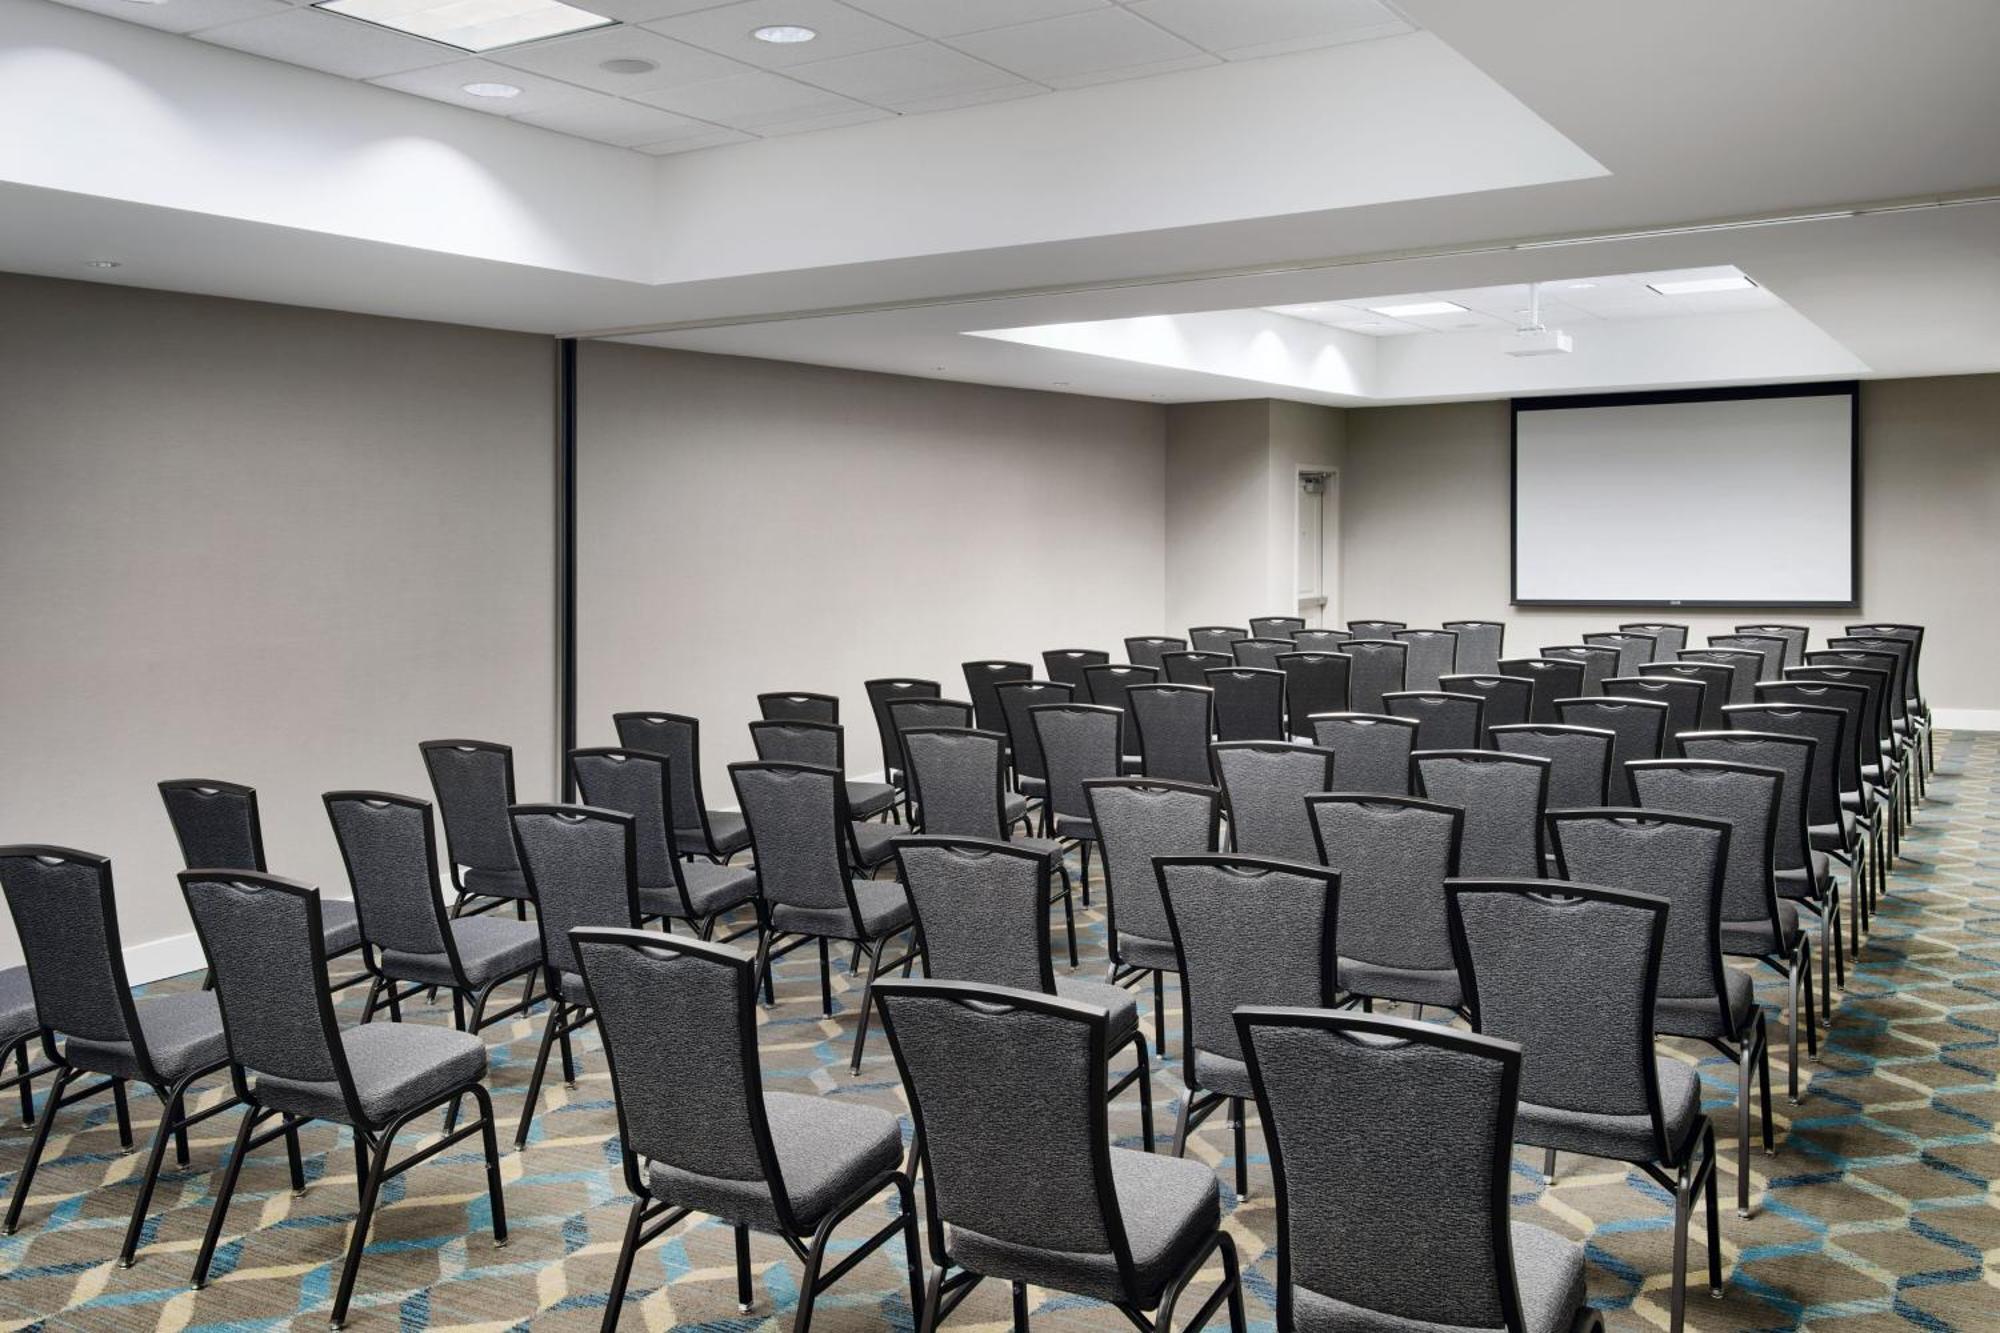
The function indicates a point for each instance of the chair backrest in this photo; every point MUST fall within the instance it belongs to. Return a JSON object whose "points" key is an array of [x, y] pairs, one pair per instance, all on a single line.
{"points": [[1374, 629], [1507, 700], [787, 741], [1716, 679], [66, 919], [635, 783], [1264, 786], [1682, 697], [1171, 726], [1246, 931], [1795, 637], [1792, 755], [1080, 743], [1638, 728], [1260, 652], [1371, 751], [1017, 699], [1433, 654], [1668, 638], [798, 706], [389, 846], [1445, 721], [1149, 649], [1910, 634], [910, 714], [678, 737], [1772, 648], [1570, 973], [881, 693], [1108, 684], [1192, 668], [1634, 649], [1745, 668], [1394, 854], [1319, 640], [1065, 665], [1377, 667], [1875, 713], [680, 1040], [1599, 663], [1249, 703], [583, 866], [980, 678], [958, 778], [1275, 627], [1579, 759], [1315, 682], [1138, 819], [1749, 798], [1803, 687], [1825, 725], [1554, 678], [1216, 638], [215, 823], [1504, 797], [474, 783], [1889, 660], [1479, 646], [982, 910], [797, 817], [1366, 1119], [1676, 857]]}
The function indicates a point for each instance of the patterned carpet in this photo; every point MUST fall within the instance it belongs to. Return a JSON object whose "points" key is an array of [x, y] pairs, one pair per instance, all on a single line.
{"points": [[1877, 1212]]}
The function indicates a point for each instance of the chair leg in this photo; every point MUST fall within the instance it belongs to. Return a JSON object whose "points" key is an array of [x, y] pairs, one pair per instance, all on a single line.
{"points": [[1086, 873], [1812, 997], [1745, 1060], [1714, 1215], [745, 1286], [621, 1276], [26, 1179], [913, 1248], [867, 997], [1185, 1104], [933, 1298], [1020, 1307], [1549, 1165], [1160, 1014], [370, 1193], [1683, 1210], [1145, 1089], [216, 1214], [374, 993], [490, 1141], [1792, 1027], [294, 1158], [123, 1109], [1233, 1276], [1069, 915], [541, 1067], [1242, 1136], [825, 980], [170, 1116], [568, 1052], [1764, 1084], [25, 1085]]}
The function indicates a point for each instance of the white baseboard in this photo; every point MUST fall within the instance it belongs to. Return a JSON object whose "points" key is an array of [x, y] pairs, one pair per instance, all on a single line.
{"points": [[156, 960], [1966, 719]]}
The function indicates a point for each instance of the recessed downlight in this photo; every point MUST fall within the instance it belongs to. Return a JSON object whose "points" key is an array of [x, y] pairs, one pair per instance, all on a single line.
{"points": [[492, 89], [783, 34], [102, 263], [628, 65]]}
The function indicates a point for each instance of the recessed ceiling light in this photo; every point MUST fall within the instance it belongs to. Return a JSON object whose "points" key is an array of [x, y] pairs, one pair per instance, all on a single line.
{"points": [[470, 25], [1411, 309], [784, 33], [628, 65], [101, 263], [1735, 282], [492, 89]]}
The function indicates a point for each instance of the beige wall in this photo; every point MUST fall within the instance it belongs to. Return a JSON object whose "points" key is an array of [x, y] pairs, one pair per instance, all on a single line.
{"points": [[751, 525], [259, 543], [1425, 528]]}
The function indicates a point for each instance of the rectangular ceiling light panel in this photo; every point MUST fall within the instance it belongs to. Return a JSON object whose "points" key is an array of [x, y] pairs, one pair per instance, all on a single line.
{"points": [[471, 25]]}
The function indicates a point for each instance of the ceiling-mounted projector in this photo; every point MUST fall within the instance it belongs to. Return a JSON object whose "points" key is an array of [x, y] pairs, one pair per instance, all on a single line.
{"points": [[1531, 339]]}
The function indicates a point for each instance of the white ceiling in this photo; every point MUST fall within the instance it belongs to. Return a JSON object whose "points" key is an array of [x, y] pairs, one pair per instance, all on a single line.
{"points": [[710, 83], [1565, 304]]}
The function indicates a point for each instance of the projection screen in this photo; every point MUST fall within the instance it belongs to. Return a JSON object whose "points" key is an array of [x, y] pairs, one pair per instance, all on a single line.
{"points": [[1735, 497]]}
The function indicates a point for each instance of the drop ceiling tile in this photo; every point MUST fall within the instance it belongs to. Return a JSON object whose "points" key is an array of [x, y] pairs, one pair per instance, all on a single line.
{"points": [[949, 18], [642, 11], [1093, 47], [727, 28], [613, 120], [711, 136], [1243, 29], [807, 124], [751, 100], [446, 83], [902, 77], [323, 41], [182, 15], [976, 97], [580, 60]]}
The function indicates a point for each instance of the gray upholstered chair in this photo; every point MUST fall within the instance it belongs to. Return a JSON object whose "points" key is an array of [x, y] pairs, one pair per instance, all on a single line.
{"points": [[1110, 685], [20, 1027], [1876, 800], [697, 894], [1149, 649], [1681, 859], [1504, 797], [389, 847], [474, 783], [1846, 831], [697, 1132], [904, 715], [1634, 649], [1795, 637], [1909, 721], [798, 706], [1276, 627], [1216, 638], [882, 692], [1809, 879], [1264, 789], [1683, 698], [1374, 629], [292, 1061], [1445, 721], [1017, 698], [1371, 751], [1599, 663], [1916, 702], [1508, 700], [1579, 759], [1777, 651], [1261, 653], [982, 916], [1246, 931], [1172, 726], [1249, 703], [1479, 646], [1638, 728], [1370, 1119], [1138, 819], [1393, 854], [698, 831], [1745, 668], [1008, 1087], [1066, 665], [824, 744], [809, 879], [1716, 679], [1315, 682], [1668, 638], [980, 678], [1433, 654], [1192, 667], [66, 919], [1080, 743], [1571, 974], [1554, 678], [1378, 668], [1319, 640]]}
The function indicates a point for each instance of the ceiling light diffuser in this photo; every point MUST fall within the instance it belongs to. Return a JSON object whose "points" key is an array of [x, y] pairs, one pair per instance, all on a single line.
{"points": [[1735, 282], [1412, 309], [492, 89], [470, 25], [784, 33]]}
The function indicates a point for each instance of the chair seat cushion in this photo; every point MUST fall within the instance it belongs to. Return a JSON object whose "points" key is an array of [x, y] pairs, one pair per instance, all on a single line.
{"points": [[873, 843], [1170, 1209], [17, 1006], [1139, 951], [710, 887], [1701, 1017], [1014, 808], [397, 1067], [826, 1150], [183, 1033], [868, 799], [340, 927], [1809, 882], [1032, 788], [1410, 984], [1076, 826], [1548, 1273], [1756, 939], [1621, 1138], [885, 909], [488, 947], [725, 827], [496, 883], [1223, 1074], [1122, 1004]]}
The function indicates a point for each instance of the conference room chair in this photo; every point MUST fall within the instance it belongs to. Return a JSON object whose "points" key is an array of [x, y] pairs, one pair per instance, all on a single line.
{"points": [[1504, 797], [1249, 703], [717, 835], [1553, 678], [1854, 838], [1717, 681], [1479, 646], [1319, 640], [1433, 653], [699, 1133], [1276, 627], [1148, 650], [1109, 686], [1445, 721], [1080, 743], [697, 894], [1378, 667], [799, 706], [291, 1060], [1172, 725], [1264, 786], [1809, 878], [1683, 700], [1908, 724], [1680, 859], [1571, 975], [1370, 1119], [1506, 700], [474, 785], [1065, 665], [1745, 669], [1371, 751], [982, 915], [1917, 700], [1374, 629], [1756, 923], [881, 693], [218, 828], [1796, 639], [903, 715], [980, 678], [1393, 855], [812, 889], [1192, 668], [1247, 930], [20, 1029], [1668, 637], [1878, 794], [824, 744], [1315, 682], [1579, 759], [1638, 728], [960, 781], [1262, 653], [1634, 649], [1216, 639], [389, 848], [1599, 664], [1017, 700], [66, 919], [1007, 1086], [1775, 649]]}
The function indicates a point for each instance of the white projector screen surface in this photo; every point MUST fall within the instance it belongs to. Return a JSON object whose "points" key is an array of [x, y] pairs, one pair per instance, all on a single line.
{"points": [[1731, 501]]}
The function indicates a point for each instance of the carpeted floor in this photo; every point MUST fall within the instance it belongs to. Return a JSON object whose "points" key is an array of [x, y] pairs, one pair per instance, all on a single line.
{"points": [[1877, 1212]]}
